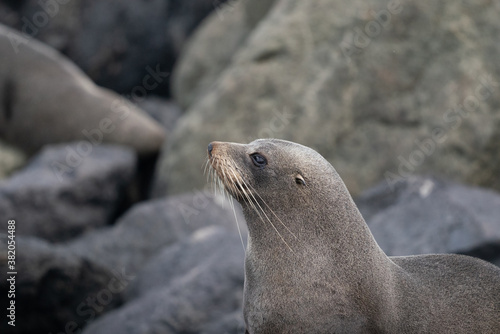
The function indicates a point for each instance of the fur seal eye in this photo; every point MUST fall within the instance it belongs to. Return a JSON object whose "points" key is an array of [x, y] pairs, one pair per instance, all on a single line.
{"points": [[258, 160], [300, 180]]}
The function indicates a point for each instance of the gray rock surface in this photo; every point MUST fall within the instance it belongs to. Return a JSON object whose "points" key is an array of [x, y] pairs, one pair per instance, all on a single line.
{"points": [[487, 167], [229, 324], [62, 193], [212, 47], [489, 251], [149, 226], [165, 112], [114, 42], [209, 249], [382, 89], [425, 215], [184, 288], [55, 290]]}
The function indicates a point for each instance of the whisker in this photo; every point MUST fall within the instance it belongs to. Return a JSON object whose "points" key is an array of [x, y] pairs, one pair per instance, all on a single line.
{"points": [[261, 210], [237, 224], [209, 170], [286, 227], [229, 183], [219, 186]]}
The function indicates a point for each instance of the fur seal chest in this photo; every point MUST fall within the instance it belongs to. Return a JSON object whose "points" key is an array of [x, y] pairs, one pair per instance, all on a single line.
{"points": [[313, 266]]}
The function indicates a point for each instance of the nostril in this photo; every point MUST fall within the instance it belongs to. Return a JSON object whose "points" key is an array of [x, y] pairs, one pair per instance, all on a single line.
{"points": [[210, 147]]}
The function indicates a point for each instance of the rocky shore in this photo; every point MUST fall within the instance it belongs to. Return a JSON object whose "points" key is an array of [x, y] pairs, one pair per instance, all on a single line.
{"points": [[107, 107]]}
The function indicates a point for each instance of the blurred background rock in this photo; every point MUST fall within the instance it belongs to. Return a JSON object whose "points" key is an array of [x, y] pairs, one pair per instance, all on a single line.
{"points": [[112, 41], [115, 232], [380, 88]]}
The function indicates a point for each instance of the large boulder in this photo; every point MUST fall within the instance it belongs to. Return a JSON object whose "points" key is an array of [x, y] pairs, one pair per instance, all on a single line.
{"points": [[149, 226], [62, 193], [424, 215], [117, 43], [206, 249], [184, 288], [56, 291], [211, 48], [166, 113], [46, 99], [382, 89], [487, 167]]}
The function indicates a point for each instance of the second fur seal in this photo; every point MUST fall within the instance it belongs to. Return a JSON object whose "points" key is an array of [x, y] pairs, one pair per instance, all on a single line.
{"points": [[313, 266]]}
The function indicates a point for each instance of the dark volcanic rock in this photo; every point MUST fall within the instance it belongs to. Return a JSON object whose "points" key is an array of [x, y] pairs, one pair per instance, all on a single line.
{"points": [[489, 251], [117, 43], [120, 43], [425, 215], [55, 290], [148, 227], [184, 288], [63, 192]]}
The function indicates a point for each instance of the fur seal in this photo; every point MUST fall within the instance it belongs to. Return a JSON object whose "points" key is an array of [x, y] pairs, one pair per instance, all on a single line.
{"points": [[313, 266], [46, 99]]}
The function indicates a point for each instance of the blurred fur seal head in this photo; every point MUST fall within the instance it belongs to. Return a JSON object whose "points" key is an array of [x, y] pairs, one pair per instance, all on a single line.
{"points": [[313, 266]]}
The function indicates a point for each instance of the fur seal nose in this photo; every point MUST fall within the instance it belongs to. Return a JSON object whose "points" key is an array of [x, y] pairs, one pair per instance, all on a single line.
{"points": [[210, 148]]}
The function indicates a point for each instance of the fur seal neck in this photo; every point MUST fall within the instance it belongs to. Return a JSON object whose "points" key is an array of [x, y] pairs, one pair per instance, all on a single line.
{"points": [[313, 266]]}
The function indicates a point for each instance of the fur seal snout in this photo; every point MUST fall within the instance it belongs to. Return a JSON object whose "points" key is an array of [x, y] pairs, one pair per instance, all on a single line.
{"points": [[313, 266]]}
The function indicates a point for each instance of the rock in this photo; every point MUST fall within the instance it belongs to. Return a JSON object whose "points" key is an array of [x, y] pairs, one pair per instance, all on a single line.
{"points": [[207, 249], [417, 93], [63, 192], [111, 46], [190, 284], [149, 226], [108, 38], [229, 324], [210, 50], [165, 112], [487, 167], [11, 159], [53, 22], [425, 215], [56, 291], [46, 96], [489, 252]]}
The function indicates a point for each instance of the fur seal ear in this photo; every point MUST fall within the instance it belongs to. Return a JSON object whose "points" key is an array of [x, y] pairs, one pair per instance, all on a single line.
{"points": [[299, 179]]}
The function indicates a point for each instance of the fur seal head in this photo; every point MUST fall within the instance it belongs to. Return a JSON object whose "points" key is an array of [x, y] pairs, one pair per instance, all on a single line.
{"points": [[313, 266], [279, 176]]}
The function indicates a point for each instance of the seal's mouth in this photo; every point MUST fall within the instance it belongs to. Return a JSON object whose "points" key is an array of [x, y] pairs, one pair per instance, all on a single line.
{"points": [[225, 175]]}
